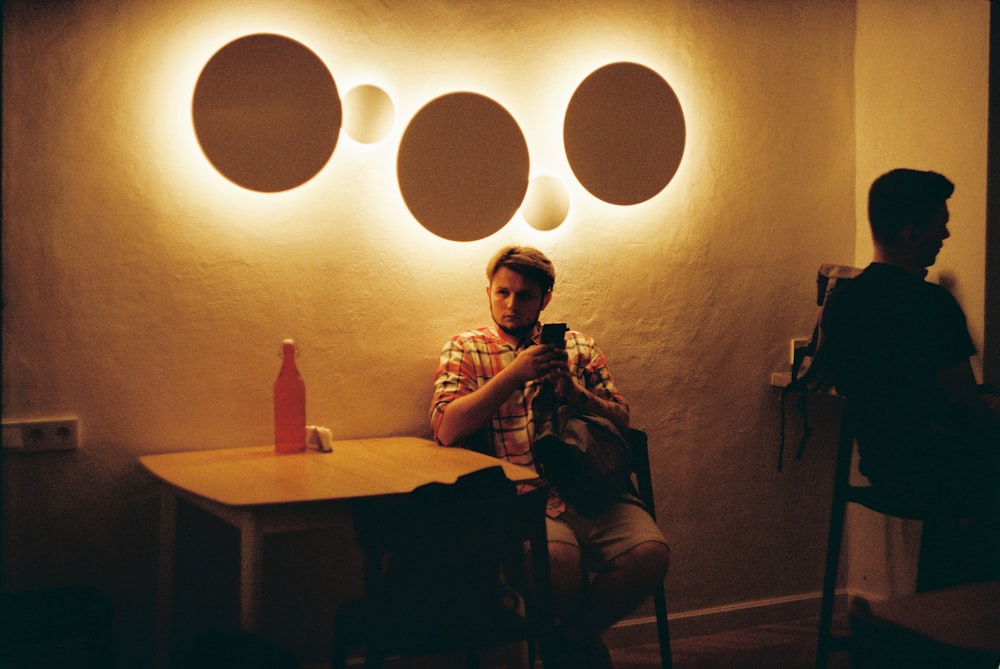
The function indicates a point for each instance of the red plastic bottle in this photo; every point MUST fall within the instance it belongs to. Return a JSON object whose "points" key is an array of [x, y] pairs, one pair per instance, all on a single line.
{"points": [[289, 404]]}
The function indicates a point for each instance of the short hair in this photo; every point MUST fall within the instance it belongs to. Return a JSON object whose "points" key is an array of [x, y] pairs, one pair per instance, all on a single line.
{"points": [[905, 197], [526, 261]]}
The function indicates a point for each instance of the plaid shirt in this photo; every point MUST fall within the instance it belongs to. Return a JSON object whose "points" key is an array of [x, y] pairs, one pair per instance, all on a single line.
{"points": [[471, 359]]}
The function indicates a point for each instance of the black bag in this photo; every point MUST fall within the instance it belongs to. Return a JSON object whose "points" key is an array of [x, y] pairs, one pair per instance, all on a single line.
{"points": [[810, 368], [585, 458], [810, 372]]}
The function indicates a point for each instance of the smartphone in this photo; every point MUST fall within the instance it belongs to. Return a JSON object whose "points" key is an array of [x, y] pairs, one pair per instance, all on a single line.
{"points": [[554, 333]]}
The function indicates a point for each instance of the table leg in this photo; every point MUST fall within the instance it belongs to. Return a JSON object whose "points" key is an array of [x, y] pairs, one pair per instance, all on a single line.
{"points": [[165, 587], [251, 572]]}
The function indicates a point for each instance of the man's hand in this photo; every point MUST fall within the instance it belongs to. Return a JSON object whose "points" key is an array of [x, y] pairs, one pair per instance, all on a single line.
{"points": [[539, 362], [582, 400], [571, 390]]}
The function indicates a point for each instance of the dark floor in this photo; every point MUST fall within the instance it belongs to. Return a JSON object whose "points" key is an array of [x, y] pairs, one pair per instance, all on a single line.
{"points": [[790, 645]]}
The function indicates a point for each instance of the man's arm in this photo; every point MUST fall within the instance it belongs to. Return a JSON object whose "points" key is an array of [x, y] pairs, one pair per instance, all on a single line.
{"points": [[465, 414], [959, 385], [954, 345], [586, 401]]}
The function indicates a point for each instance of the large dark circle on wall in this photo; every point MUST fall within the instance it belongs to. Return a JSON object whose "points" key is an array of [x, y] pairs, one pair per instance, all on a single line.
{"points": [[463, 166], [624, 133], [266, 112]]}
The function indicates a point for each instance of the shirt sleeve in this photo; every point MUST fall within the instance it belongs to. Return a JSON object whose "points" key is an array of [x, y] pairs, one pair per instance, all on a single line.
{"points": [[455, 377], [949, 342], [591, 367]]}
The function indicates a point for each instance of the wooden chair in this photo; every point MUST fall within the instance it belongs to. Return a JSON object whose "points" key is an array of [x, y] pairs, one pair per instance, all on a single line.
{"points": [[639, 445], [437, 567], [936, 532]]}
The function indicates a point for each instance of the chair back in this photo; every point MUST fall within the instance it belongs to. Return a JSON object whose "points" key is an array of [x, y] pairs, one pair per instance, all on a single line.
{"points": [[872, 497], [438, 563], [936, 535], [638, 444]]}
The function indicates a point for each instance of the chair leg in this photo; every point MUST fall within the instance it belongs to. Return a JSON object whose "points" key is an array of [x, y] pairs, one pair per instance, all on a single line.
{"points": [[348, 632], [663, 627], [834, 539], [833, 545], [338, 657], [834, 542], [939, 556], [374, 661]]}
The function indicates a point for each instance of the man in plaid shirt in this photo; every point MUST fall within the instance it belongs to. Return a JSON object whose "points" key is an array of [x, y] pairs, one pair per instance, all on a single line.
{"points": [[485, 390]]}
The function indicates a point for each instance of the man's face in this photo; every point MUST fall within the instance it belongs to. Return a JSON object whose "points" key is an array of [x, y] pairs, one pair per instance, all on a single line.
{"points": [[927, 241], [515, 302]]}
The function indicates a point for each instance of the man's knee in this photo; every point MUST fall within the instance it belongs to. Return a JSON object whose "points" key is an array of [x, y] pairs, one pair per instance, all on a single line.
{"points": [[565, 574], [649, 560], [563, 551], [564, 559]]}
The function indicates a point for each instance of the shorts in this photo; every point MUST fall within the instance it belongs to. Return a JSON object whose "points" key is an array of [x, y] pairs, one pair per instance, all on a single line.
{"points": [[604, 537]]}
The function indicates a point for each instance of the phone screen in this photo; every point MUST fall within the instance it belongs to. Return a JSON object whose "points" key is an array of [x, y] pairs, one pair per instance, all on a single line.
{"points": [[554, 333]]}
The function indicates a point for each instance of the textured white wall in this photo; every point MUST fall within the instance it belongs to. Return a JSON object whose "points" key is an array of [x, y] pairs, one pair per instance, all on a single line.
{"points": [[148, 296]]}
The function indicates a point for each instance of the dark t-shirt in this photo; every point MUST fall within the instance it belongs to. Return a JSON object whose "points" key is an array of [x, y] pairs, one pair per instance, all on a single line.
{"points": [[888, 333]]}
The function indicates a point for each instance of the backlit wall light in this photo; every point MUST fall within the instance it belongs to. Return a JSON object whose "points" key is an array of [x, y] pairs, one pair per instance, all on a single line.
{"points": [[546, 203], [368, 114], [463, 166], [624, 133], [267, 115], [266, 112]]}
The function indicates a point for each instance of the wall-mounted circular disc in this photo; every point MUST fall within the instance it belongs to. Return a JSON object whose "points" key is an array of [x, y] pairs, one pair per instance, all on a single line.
{"points": [[266, 112], [624, 133], [463, 166]]}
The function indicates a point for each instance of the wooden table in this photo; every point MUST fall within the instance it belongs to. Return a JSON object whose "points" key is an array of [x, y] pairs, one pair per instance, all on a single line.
{"points": [[260, 492]]}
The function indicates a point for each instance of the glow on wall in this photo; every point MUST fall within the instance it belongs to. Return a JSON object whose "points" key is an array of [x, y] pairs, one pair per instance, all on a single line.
{"points": [[267, 114]]}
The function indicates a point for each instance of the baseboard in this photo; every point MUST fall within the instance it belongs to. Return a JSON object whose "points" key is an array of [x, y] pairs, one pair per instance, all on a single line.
{"points": [[741, 615]]}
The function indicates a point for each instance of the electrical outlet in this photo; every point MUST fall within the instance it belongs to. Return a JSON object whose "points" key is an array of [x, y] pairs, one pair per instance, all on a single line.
{"points": [[57, 434], [795, 345]]}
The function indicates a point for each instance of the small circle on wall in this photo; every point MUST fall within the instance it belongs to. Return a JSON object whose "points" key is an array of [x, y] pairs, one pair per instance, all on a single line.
{"points": [[266, 112], [368, 114], [624, 133], [546, 203]]}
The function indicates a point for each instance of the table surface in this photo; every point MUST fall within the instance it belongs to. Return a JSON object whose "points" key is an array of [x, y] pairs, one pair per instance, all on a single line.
{"points": [[256, 475]]}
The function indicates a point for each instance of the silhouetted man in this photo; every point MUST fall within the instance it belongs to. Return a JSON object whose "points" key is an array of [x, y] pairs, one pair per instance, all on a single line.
{"points": [[900, 353]]}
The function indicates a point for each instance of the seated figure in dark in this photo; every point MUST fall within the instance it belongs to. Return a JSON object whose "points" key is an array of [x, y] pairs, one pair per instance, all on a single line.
{"points": [[900, 351]]}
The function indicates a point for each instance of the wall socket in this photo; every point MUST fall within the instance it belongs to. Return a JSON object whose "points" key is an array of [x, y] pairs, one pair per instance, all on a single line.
{"points": [[795, 345], [30, 436]]}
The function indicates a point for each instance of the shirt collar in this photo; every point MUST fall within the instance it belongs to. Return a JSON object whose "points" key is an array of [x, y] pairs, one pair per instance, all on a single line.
{"points": [[887, 268], [512, 341]]}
